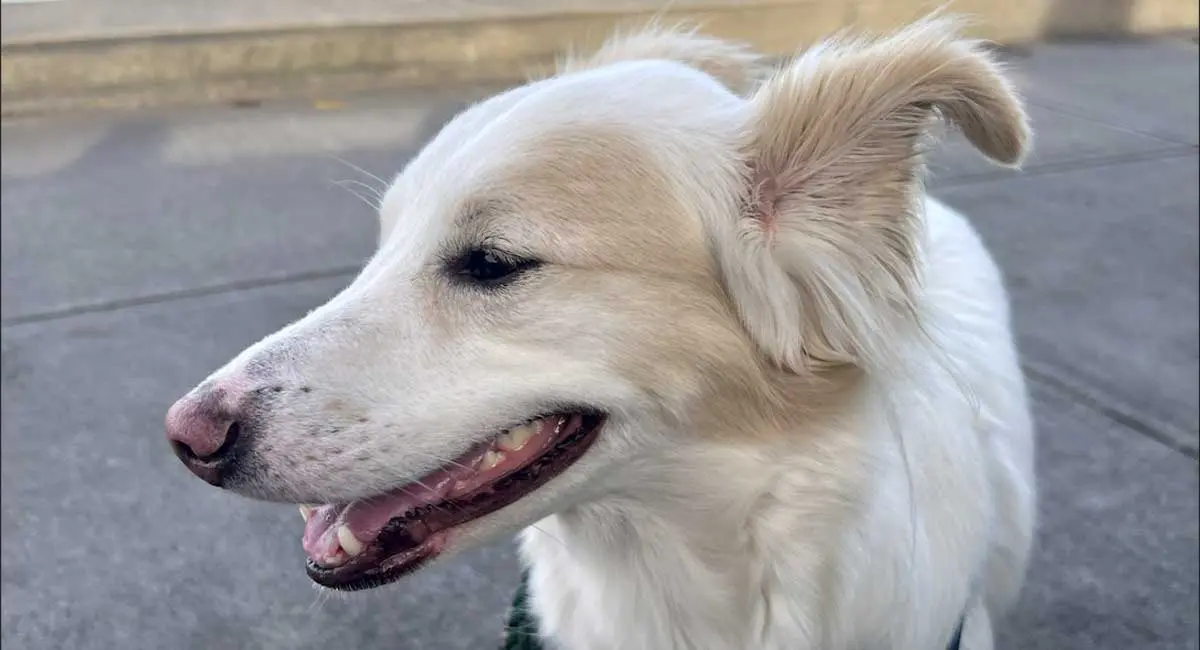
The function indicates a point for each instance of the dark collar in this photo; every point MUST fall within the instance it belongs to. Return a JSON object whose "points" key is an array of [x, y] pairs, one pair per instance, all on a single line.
{"points": [[956, 640], [520, 629]]}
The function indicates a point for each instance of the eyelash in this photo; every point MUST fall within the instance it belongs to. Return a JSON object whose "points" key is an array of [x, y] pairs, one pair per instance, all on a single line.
{"points": [[488, 267]]}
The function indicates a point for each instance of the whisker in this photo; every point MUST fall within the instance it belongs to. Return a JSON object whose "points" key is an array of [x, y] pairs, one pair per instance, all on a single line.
{"points": [[441, 461], [436, 504], [321, 597], [373, 191], [547, 534], [409, 492], [382, 183], [345, 185], [372, 198]]}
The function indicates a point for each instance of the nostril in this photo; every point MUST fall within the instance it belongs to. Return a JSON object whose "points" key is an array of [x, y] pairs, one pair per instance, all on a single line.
{"points": [[182, 450], [204, 431], [187, 453], [231, 437]]}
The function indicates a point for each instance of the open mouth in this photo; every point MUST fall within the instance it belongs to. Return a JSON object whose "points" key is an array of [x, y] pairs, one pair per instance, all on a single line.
{"points": [[371, 542]]}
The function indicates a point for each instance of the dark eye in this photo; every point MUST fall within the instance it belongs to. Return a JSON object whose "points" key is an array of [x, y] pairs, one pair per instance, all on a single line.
{"points": [[488, 266]]}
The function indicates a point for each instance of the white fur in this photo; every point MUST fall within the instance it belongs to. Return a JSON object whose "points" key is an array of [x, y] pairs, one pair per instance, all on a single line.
{"points": [[727, 558], [818, 435]]}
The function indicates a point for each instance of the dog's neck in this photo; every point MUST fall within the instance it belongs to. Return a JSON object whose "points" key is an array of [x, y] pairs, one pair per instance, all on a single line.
{"points": [[690, 540]]}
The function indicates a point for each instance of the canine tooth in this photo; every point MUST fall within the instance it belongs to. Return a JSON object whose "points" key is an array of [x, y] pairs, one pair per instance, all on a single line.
{"points": [[348, 541], [492, 459], [516, 438], [306, 511]]}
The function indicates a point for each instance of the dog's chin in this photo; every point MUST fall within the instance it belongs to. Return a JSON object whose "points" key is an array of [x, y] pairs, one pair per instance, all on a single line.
{"points": [[371, 542]]}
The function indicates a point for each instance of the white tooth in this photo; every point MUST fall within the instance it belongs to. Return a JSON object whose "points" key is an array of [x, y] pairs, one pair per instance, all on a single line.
{"points": [[348, 541], [335, 561], [517, 438], [492, 459], [306, 511]]}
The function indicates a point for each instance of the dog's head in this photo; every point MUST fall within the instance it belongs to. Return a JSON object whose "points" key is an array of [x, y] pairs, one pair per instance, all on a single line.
{"points": [[587, 270]]}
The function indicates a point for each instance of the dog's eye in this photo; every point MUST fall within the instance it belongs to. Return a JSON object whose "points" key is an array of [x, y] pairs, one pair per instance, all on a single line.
{"points": [[486, 266]]}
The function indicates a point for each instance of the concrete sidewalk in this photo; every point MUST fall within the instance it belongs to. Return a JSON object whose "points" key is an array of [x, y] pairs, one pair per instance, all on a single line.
{"points": [[140, 251]]}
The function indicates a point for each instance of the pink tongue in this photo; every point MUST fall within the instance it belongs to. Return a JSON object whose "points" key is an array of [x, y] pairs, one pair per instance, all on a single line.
{"points": [[320, 540], [366, 519]]}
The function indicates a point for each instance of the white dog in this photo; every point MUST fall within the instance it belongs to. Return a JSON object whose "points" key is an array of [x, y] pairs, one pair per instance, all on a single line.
{"points": [[697, 330]]}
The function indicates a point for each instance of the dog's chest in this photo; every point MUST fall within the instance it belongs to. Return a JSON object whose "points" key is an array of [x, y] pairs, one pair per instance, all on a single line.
{"points": [[636, 599]]}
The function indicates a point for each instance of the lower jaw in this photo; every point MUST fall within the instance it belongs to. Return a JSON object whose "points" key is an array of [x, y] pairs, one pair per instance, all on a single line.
{"points": [[389, 569], [378, 565]]}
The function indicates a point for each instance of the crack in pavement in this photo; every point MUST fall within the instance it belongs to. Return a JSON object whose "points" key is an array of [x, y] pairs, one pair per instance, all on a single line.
{"points": [[1112, 408], [172, 296], [1074, 112], [1064, 166]]}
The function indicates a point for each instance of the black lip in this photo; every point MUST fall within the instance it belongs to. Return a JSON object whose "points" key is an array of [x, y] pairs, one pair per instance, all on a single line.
{"points": [[372, 576], [402, 546]]}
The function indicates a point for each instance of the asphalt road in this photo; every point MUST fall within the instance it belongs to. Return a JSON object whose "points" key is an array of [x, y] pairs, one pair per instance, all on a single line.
{"points": [[140, 251]]}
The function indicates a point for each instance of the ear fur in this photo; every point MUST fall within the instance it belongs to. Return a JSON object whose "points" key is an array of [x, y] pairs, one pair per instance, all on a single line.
{"points": [[734, 64], [828, 270]]}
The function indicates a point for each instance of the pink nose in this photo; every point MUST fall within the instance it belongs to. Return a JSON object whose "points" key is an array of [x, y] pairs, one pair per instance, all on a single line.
{"points": [[204, 433]]}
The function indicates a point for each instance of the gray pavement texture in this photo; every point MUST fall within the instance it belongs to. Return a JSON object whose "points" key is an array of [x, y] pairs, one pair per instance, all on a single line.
{"points": [[140, 251]]}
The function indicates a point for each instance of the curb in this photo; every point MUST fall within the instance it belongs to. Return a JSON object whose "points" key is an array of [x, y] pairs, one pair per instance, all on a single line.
{"points": [[245, 66]]}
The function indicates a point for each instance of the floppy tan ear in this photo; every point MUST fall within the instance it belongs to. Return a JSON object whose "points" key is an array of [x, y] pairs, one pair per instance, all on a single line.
{"points": [[733, 64], [829, 237]]}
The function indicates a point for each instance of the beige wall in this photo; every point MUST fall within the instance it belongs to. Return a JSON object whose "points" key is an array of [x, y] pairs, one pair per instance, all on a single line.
{"points": [[494, 41]]}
